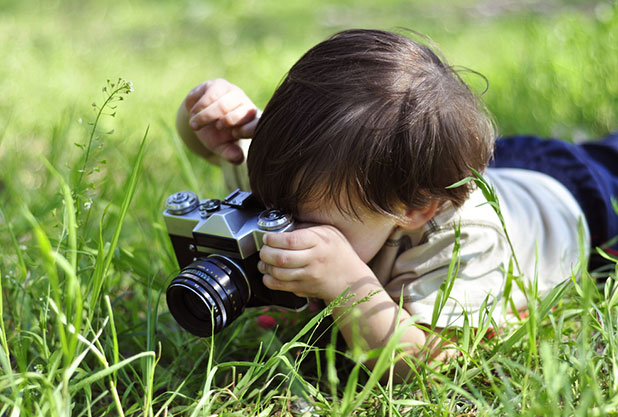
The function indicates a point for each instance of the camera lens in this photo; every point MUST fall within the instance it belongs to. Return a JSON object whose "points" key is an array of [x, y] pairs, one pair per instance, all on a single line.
{"points": [[208, 295], [195, 306]]}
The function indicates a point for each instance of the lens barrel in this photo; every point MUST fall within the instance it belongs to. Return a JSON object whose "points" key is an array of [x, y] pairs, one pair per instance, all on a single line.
{"points": [[208, 295]]}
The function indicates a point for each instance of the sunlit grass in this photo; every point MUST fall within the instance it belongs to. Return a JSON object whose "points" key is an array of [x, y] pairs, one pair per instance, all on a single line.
{"points": [[85, 259]]}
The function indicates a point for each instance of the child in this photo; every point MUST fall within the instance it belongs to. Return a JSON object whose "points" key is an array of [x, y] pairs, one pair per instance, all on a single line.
{"points": [[360, 142]]}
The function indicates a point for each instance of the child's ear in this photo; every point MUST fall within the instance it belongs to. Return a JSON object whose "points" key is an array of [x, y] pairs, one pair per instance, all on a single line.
{"points": [[417, 217]]}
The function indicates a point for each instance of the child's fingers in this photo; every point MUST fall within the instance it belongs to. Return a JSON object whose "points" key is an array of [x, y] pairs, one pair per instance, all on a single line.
{"points": [[221, 108], [206, 93], [215, 111], [195, 94], [296, 287], [285, 258], [295, 240], [241, 115], [281, 285], [282, 274], [215, 91]]}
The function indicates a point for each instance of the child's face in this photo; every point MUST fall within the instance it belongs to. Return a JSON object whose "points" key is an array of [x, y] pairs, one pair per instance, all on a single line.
{"points": [[366, 234]]}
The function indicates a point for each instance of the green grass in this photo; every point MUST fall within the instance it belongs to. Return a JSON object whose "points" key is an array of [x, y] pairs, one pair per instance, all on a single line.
{"points": [[84, 256]]}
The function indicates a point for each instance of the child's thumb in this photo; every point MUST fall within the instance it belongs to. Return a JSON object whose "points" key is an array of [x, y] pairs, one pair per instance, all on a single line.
{"points": [[231, 152], [245, 131]]}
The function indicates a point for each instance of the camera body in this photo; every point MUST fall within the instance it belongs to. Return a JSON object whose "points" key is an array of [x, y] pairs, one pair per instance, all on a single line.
{"points": [[217, 246]]}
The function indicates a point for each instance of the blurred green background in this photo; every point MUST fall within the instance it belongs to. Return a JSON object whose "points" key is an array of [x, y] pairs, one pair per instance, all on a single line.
{"points": [[551, 65], [551, 68]]}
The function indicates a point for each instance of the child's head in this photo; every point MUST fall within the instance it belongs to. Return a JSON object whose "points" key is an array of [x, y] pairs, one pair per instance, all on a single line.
{"points": [[372, 118]]}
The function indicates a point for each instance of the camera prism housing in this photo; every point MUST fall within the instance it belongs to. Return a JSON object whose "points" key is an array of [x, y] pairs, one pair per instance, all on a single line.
{"points": [[217, 246]]}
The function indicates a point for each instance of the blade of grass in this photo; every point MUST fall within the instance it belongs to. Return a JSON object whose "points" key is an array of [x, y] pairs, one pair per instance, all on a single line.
{"points": [[52, 275], [551, 299], [107, 371], [73, 298], [446, 287], [18, 251], [549, 302], [383, 363], [6, 126], [207, 391], [113, 378], [150, 365], [100, 273], [489, 192], [331, 372], [176, 392], [183, 161], [3, 342], [5, 362], [70, 213]]}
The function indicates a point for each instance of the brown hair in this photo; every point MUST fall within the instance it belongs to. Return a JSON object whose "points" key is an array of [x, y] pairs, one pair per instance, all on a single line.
{"points": [[372, 117]]}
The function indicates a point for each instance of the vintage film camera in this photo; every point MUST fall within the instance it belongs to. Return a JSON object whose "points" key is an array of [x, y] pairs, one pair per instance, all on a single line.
{"points": [[217, 245]]}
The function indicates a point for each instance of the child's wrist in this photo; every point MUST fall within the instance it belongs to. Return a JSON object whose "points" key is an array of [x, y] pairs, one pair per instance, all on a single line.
{"points": [[359, 289]]}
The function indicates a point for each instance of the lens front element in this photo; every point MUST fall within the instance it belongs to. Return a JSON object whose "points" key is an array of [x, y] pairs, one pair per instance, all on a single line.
{"points": [[208, 295]]}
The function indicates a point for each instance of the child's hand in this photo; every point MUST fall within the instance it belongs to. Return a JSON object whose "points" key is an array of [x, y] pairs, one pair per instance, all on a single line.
{"points": [[221, 113], [313, 262]]}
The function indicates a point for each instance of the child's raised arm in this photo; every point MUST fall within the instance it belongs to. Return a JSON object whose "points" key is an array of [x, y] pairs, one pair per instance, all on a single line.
{"points": [[212, 118], [320, 262]]}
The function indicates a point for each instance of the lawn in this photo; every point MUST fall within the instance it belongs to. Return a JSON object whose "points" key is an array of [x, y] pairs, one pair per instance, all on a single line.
{"points": [[88, 155]]}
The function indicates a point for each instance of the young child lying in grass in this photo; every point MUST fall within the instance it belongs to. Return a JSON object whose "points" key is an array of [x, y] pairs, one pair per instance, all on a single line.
{"points": [[361, 142]]}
